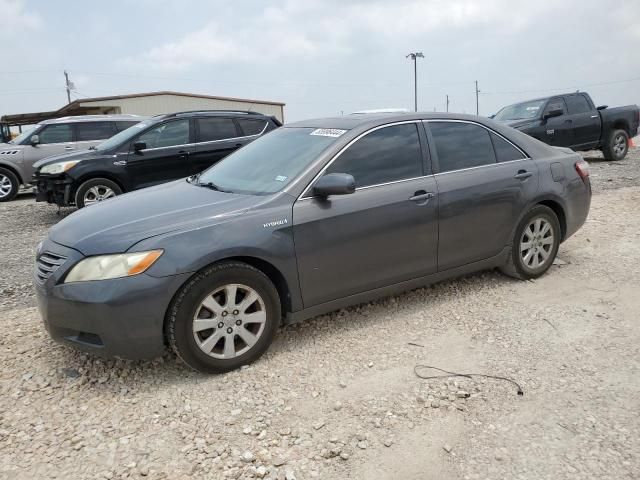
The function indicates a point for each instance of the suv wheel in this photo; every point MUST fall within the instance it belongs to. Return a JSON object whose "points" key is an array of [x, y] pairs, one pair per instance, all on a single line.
{"points": [[96, 190], [535, 244], [617, 146], [9, 185], [224, 317]]}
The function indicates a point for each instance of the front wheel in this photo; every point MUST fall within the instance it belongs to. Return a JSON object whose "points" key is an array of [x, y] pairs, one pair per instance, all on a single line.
{"points": [[617, 146], [96, 190], [535, 244], [9, 185], [224, 317]]}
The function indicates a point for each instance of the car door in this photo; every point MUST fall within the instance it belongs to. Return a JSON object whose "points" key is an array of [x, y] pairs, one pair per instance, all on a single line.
{"points": [[89, 134], [557, 131], [53, 139], [166, 154], [480, 199], [384, 233], [216, 137], [585, 121]]}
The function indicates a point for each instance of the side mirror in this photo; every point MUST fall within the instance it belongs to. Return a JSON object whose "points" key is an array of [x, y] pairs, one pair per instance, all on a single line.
{"points": [[138, 146], [34, 140], [334, 184], [553, 113], [602, 107]]}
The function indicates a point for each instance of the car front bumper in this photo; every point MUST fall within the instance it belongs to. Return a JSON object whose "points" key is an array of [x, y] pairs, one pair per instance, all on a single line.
{"points": [[122, 317], [53, 189]]}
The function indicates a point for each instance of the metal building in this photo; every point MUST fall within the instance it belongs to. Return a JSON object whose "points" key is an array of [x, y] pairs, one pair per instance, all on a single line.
{"points": [[153, 103]]}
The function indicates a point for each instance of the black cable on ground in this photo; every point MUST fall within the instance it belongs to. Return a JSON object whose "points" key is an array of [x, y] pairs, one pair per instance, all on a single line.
{"points": [[466, 375]]}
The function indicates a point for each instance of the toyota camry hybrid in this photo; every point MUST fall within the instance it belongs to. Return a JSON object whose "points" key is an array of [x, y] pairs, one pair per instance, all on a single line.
{"points": [[312, 217]]}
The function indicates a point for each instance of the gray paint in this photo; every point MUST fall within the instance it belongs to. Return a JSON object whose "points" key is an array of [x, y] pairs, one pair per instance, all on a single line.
{"points": [[330, 252]]}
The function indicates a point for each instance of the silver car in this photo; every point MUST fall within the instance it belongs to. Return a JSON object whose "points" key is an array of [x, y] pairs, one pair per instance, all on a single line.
{"points": [[53, 137]]}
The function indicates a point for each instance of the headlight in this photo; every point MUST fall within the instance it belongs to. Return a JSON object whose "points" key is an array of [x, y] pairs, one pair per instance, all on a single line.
{"points": [[103, 267], [58, 167]]}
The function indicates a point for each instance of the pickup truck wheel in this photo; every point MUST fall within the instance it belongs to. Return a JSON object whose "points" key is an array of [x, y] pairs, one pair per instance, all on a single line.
{"points": [[9, 185], [224, 317], [96, 190], [534, 245], [617, 146]]}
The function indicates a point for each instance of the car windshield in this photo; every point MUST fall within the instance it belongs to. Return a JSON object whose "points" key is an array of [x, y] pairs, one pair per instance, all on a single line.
{"points": [[124, 135], [21, 138], [269, 163], [520, 111]]}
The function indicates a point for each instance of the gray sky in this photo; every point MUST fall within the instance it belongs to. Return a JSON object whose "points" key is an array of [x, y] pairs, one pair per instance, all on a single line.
{"points": [[321, 57]]}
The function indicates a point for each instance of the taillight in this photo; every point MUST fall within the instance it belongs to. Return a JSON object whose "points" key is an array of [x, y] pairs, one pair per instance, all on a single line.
{"points": [[582, 168]]}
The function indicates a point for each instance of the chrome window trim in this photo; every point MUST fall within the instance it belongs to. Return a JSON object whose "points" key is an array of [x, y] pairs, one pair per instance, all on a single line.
{"points": [[341, 151], [155, 149], [378, 185], [451, 120]]}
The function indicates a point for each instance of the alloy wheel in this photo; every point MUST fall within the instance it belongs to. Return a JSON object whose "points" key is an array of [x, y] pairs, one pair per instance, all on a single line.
{"points": [[229, 321], [98, 193], [5, 186], [536, 243], [619, 145]]}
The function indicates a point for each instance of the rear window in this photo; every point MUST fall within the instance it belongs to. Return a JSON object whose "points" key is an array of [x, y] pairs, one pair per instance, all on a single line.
{"points": [[251, 126], [94, 131], [215, 128]]}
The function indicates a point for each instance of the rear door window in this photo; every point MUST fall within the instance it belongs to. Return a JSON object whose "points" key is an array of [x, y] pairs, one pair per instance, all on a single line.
{"points": [[94, 131], [120, 126], [461, 145], [251, 126], [60, 133], [505, 152], [167, 134], [385, 155], [215, 128], [577, 104]]}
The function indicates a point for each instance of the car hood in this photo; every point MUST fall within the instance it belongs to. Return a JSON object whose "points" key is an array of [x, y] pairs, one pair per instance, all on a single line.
{"points": [[117, 224], [63, 157]]}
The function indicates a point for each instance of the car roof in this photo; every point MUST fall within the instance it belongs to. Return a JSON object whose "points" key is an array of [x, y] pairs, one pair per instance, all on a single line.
{"points": [[94, 118], [349, 122]]}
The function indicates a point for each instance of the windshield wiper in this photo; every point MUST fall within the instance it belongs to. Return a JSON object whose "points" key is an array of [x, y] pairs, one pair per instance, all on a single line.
{"points": [[212, 186], [93, 147]]}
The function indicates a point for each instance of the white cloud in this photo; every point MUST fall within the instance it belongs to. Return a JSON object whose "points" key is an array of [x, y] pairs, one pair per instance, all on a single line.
{"points": [[14, 19], [315, 28]]}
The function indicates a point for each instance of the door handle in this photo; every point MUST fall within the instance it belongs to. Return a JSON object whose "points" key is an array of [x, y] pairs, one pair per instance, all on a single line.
{"points": [[421, 195], [69, 148], [183, 153], [594, 116], [522, 175]]}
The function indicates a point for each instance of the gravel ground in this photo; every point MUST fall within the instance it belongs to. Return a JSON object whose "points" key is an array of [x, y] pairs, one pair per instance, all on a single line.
{"points": [[337, 397]]}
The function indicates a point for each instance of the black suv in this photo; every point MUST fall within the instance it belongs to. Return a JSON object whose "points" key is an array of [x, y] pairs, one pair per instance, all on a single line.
{"points": [[160, 149]]}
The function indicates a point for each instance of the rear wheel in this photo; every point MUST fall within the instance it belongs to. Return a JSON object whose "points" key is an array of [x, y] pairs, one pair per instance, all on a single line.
{"points": [[224, 317], [617, 146], [9, 185], [96, 190], [535, 244]]}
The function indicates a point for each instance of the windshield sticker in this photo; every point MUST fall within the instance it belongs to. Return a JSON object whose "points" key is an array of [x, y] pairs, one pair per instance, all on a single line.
{"points": [[281, 178], [328, 132], [532, 108]]}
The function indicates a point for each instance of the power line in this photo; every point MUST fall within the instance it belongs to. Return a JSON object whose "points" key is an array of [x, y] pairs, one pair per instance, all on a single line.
{"points": [[573, 87]]}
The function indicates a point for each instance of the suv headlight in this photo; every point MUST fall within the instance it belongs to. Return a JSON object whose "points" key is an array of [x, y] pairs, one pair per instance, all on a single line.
{"points": [[58, 167], [103, 267]]}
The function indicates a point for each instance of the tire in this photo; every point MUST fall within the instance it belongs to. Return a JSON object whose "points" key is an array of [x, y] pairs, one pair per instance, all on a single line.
{"points": [[204, 347], [9, 185], [617, 145], [96, 190], [521, 262]]}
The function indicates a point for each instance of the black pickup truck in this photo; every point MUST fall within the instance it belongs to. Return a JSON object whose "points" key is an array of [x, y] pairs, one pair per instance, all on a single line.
{"points": [[572, 120]]}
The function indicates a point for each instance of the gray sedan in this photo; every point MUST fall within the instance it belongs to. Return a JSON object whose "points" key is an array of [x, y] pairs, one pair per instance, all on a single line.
{"points": [[310, 218]]}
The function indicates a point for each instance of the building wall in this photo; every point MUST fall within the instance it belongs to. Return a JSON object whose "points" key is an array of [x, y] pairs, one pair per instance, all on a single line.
{"points": [[158, 104]]}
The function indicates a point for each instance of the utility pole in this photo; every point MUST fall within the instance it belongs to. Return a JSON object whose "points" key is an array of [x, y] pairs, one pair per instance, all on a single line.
{"points": [[414, 56], [68, 85], [447, 103], [477, 92]]}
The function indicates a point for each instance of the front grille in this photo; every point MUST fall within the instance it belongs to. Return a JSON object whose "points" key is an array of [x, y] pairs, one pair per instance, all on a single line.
{"points": [[47, 263]]}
